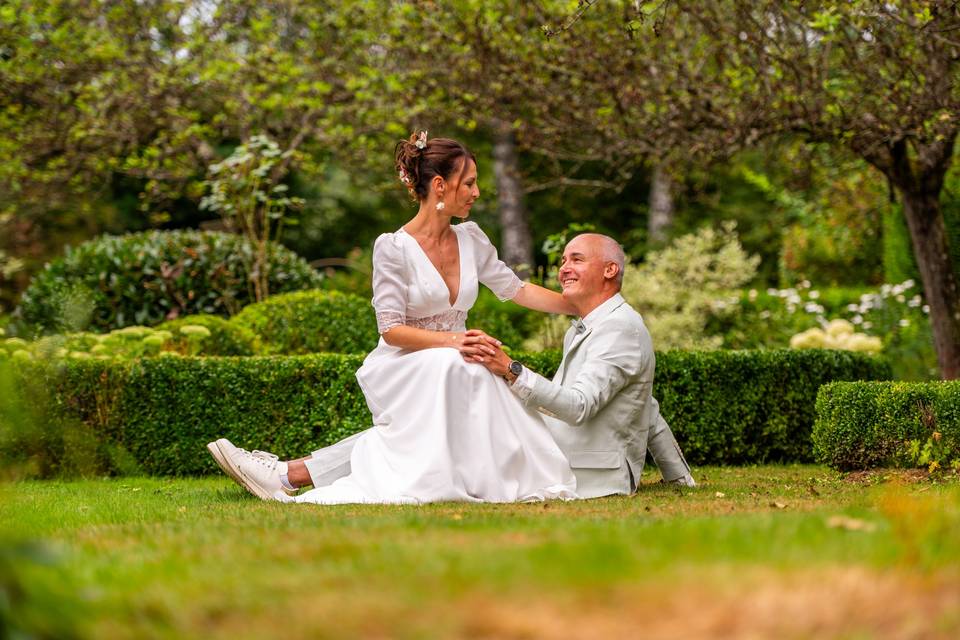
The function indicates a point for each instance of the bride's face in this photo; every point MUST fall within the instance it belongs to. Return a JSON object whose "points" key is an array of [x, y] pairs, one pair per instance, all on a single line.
{"points": [[462, 191]]}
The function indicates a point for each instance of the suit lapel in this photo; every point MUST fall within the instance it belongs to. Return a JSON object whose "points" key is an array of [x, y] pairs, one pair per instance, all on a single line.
{"points": [[567, 339], [578, 339]]}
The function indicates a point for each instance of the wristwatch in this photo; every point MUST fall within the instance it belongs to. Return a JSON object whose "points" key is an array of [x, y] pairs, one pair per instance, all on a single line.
{"points": [[513, 371]]}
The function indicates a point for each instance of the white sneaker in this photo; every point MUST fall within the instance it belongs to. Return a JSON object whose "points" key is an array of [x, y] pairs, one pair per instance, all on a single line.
{"points": [[258, 471], [222, 450]]}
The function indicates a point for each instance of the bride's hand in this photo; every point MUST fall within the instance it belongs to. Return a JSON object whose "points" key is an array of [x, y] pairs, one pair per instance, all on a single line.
{"points": [[477, 346]]}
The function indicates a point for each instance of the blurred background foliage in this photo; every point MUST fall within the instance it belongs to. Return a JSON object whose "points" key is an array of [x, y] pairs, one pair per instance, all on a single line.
{"points": [[111, 115]]}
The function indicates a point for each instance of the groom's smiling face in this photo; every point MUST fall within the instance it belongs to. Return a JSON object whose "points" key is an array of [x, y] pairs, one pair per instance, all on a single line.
{"points": [[581, 268], [590, 271]]}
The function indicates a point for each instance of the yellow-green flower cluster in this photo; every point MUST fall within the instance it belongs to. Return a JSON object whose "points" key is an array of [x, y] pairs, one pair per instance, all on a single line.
{"points": [[129, 342], [838, 334], [14, 349]]}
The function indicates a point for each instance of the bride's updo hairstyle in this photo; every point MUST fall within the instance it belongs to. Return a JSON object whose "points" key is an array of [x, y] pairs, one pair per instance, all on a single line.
{"points": [[419, 160]]}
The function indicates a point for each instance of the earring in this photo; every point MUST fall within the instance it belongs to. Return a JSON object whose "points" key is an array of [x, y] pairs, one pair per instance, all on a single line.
{"points": [[440, 206]]}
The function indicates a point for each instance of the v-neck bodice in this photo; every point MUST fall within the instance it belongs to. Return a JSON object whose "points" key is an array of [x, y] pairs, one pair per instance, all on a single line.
{"points": [[428, 303], [423, 254], [408, 289]]}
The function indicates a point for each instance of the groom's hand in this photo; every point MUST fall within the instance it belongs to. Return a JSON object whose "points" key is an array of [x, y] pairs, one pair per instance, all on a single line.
{"points": [[493, 357], [498, 363], [477, 346]]}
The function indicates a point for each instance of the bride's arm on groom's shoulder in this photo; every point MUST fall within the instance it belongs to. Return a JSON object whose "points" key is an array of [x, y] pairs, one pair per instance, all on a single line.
{"points": [[533, 296]]}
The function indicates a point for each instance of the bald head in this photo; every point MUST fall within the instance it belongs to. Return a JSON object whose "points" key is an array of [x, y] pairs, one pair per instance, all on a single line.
{"points": [[609, 251]]}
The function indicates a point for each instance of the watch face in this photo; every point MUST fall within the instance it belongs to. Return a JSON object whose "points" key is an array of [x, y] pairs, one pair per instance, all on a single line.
{"points": [[516, 368]]}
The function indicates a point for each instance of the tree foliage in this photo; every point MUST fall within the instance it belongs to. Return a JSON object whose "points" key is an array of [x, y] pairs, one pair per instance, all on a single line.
{"points": [[624, 82], [101, 95]]}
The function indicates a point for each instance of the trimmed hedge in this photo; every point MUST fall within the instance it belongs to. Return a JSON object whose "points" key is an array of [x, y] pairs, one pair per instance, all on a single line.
{"points": [[313, 321], [725, 407], [872, 424], [738, 407], [162, 411], [142, 278]]}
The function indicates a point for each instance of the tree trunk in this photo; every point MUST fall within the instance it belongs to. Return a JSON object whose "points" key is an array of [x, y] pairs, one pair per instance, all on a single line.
{"points": [[928, 234], [516, 245], [661, 206]]}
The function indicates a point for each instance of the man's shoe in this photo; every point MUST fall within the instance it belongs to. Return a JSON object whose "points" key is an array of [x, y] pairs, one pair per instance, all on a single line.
{"points": [[684, 481], [222, 450], [258, 472]]}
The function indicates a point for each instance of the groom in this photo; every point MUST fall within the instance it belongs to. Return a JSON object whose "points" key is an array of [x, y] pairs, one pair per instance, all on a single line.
{"points": [[599, 406]]}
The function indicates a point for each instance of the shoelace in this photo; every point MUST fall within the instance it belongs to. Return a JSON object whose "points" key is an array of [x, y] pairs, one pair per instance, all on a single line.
{"points": [[269, 460]]}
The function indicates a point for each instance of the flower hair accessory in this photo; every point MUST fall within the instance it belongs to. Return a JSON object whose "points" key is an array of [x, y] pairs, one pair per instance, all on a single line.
{"points": [[421, 140], [404, 178]]}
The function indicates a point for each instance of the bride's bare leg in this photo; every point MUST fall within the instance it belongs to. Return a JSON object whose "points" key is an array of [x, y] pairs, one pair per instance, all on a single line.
{"points": [[297, 473]]}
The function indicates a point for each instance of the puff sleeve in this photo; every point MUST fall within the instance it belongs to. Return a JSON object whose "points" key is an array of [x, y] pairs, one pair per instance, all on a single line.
{"points": [[389, 283], [491, 270]]}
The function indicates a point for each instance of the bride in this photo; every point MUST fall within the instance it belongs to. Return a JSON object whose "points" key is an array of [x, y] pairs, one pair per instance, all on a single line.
{"points": [[445, 428]]}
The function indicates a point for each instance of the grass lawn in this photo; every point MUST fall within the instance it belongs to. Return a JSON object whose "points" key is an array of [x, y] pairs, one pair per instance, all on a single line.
{"points": [[771, 551]]}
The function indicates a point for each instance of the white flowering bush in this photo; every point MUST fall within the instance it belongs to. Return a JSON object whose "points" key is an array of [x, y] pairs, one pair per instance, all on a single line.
{"points": [[690, 284], [894, 314]]}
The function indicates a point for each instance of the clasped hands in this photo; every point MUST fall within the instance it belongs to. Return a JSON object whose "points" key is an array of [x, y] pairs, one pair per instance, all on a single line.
{"points": [[476, 346]]}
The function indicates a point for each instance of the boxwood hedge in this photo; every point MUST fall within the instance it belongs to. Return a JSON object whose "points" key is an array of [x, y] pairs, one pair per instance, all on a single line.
{"points": [[737, 407], [725, 407], [312, 321], [861, 425]]}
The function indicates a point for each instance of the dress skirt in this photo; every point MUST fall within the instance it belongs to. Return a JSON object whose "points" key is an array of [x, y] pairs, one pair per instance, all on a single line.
{"points": [[445, 430]]}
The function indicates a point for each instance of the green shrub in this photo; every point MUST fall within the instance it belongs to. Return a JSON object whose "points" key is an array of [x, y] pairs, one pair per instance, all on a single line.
{"points": [[129, 342], [680, 288], [39, 439], [871, 424], [226, 338], [311, 321], [144, 278], [725, 407], [163, 411]]}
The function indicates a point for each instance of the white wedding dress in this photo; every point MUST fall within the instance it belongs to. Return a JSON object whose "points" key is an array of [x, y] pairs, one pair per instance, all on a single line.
{"points": [[444, 429]]}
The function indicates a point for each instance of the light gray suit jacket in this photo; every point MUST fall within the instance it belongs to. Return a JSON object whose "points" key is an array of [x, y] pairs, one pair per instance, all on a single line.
{"points": [[599, 405]]}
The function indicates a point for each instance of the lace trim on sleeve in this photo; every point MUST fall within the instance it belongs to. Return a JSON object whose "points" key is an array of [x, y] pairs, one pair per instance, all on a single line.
{"points": [[512, 290], [387, 320]]}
